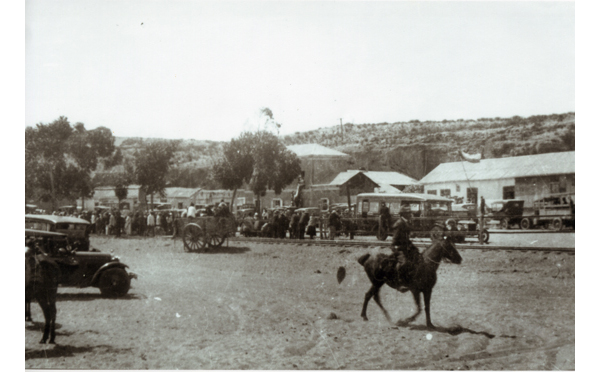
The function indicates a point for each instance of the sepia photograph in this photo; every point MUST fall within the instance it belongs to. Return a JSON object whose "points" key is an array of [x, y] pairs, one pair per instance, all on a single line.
{"points": [[299, 185]]}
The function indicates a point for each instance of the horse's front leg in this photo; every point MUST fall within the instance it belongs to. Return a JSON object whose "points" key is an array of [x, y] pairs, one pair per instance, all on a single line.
{"points": [[427, 300], [368, 296], [378, 301], [417, 297], [28, 311]]}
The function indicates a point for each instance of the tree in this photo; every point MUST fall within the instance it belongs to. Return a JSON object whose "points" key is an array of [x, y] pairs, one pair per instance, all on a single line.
{"points": [[59, 159], [151, 166], [122, 182], [259, 160]]}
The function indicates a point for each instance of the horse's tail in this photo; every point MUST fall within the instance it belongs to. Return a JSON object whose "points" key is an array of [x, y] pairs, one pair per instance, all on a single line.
{"points": [[362, 259]]}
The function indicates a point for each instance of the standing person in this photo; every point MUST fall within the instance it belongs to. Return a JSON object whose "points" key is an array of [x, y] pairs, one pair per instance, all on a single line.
{"points": [[295, 220], [191, 212], [311, 230], [119, 224], [384, 219], [334, 224], [128, 224], [265, 214], [302, 224], [93, 222], [150, 223], [158, 221], [175, 225], [112, 224], [284, 222]]}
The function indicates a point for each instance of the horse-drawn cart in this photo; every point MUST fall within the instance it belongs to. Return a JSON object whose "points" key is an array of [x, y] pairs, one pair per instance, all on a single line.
{"points": [[204, 232]]}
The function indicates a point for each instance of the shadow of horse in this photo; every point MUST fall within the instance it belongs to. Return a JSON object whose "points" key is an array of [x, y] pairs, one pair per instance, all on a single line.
{"points": [[453, 330], [226, 250], [94, 296], [62, 351]]}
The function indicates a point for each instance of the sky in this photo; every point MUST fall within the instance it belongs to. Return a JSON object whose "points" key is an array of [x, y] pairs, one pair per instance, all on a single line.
{"points": [[204, 70]]}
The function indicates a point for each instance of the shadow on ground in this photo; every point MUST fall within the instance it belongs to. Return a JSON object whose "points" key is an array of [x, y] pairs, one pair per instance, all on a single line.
{"points": [[453, 330], [62, 351], [94, 296], [225, 250]]}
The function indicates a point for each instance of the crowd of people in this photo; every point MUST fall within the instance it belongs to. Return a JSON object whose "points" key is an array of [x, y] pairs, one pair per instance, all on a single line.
{"points": [[290, 224], [143, 223]]}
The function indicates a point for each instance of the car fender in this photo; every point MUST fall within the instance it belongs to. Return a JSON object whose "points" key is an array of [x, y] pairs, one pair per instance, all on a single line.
{"points": [[106, 266]]}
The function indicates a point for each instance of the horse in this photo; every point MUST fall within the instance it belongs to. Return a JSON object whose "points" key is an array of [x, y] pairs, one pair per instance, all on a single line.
{"points": [[41, 285], [422, 281]]}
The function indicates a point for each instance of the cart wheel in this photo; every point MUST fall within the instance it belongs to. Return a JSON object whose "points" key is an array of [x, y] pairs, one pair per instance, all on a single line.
{"points": [[114, 283], [485, 236], [557, 224], [525, 223], [216, 240], [504, 224], [193, 238], [437, 233]]}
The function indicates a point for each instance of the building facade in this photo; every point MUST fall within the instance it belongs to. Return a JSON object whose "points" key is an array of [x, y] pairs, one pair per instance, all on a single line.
{"points": [[526, 178]]}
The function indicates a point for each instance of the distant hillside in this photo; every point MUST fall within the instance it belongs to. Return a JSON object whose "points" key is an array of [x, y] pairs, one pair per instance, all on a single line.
{"points": [[413, 148]]}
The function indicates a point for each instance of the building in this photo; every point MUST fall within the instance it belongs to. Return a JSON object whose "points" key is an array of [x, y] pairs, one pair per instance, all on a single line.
{"points": [[521, 177], [344, 188], [320, 164]]}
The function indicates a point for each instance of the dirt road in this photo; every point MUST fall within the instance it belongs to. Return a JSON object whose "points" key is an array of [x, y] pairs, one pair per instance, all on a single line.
{"points": [[262, 306]]}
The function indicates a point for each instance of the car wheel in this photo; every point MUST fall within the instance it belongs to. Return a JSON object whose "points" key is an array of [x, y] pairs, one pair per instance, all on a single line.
{"points": [[525, 223], [114, 283], [557, 224], [484, 236], [504, 224]]}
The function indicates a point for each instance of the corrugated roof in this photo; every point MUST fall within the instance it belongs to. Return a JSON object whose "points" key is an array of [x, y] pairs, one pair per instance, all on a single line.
{"points": [[180, 192], [513, 167], [381, 178], [313, 150]]}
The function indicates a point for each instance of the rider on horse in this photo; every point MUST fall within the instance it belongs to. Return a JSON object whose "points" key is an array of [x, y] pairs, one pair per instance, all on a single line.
{"points": [[406, 255]]}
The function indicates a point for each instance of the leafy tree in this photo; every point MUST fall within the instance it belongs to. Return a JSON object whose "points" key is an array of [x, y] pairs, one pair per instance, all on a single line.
{"points": [[59, 159], [151, 166], [259, 160]]}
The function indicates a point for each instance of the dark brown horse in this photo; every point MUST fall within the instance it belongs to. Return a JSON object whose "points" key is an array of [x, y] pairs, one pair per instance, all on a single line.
{"points": [[382, 269], [41, 285]]}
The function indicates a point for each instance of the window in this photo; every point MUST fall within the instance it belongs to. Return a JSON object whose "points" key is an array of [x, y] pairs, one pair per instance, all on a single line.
{"points": [[432, 192], [241, 201], [472, 195], [364, 207], [554, 187], [508, 192], [395, 208], [445, 193], [324, 204], [457, 188], [374, 207], [275, 203], [179, 205]]}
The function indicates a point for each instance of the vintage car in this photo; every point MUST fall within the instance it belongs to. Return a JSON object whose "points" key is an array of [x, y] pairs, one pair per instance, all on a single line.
{"points": [[81, 269], [77, 230], [430, 215], [508, 212]]}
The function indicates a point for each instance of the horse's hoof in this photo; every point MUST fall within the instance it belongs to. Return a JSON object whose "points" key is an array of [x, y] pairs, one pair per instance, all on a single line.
{"points": [[430, 326], [365, 318], [42, 341]]}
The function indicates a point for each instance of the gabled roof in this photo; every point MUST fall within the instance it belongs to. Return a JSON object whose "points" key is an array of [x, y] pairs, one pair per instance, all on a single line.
{"points": [[381, 178], [513, 167], [313, 150]]}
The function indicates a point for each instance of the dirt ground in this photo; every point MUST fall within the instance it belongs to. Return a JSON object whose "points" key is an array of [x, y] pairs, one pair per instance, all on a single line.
{"points": [[267, 306]]}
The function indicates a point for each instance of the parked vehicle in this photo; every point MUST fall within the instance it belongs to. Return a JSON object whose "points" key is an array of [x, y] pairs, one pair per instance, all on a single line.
{"points": [[206, 231], [508, 212], [82, 269], [430, 215], [76, 229], [555, 211]]}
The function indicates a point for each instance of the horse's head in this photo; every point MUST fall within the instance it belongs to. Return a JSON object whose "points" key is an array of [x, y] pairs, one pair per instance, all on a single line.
{"points": [[449, 251]]}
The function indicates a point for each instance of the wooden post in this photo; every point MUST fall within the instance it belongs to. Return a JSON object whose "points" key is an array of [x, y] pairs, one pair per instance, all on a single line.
{"points": [[481, 219]]}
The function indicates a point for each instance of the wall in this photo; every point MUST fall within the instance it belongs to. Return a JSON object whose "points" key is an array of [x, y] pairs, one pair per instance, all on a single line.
{"points": [[489, 189], [320, 171]]}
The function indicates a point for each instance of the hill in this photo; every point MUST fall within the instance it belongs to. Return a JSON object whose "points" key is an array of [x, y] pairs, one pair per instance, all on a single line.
{"points": [[413, 148]]}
